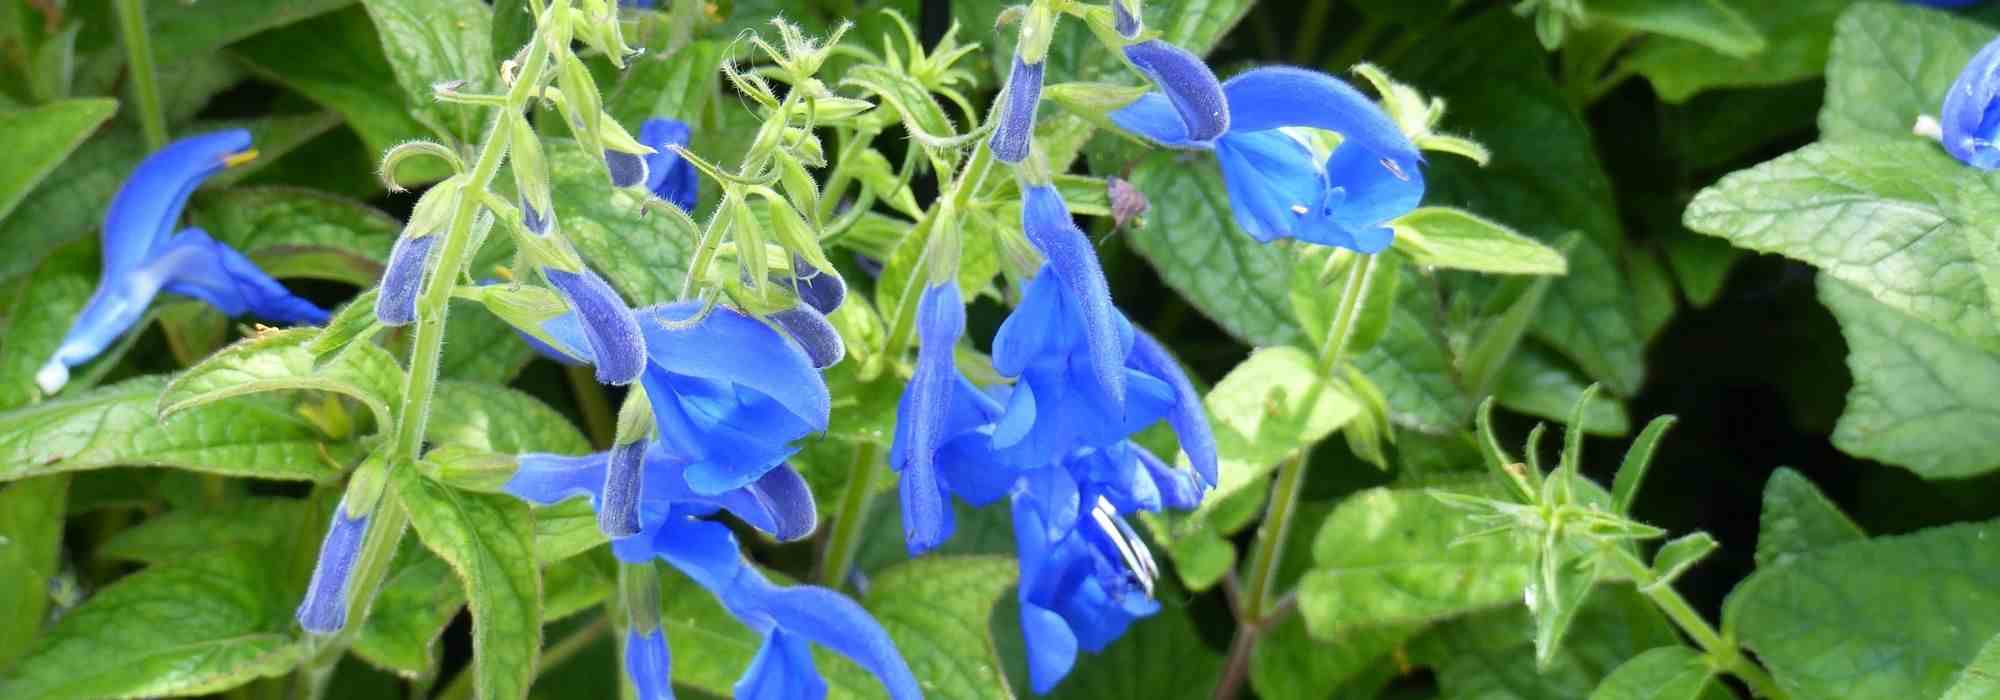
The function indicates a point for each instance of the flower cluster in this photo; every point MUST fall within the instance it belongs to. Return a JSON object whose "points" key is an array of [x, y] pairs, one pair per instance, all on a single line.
{"points": [[144, 255]]}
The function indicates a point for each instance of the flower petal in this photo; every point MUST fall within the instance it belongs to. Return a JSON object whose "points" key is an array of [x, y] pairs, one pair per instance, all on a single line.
{"points": [[1051, 647], [396, 305], [144, 211], [1048, 225], [647, 663], [1280, 96], [624, 479], [1971, 114], [669, 176], [324, 610], [548, 479], [1274, 183], [617, 346], [1188, 84], [814, 334], [782, 670], [760, 358], [1187, 416]]}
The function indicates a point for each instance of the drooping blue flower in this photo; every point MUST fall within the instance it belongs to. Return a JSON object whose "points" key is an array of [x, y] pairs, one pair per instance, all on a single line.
{"points": [[1281, 186], [1016, 128], [1971, 116], [730, 415], [402, 279], [675, 529], [944, 425], [324, 609], [610, 328], [1081, 586], [669, 176], [143, 256]]}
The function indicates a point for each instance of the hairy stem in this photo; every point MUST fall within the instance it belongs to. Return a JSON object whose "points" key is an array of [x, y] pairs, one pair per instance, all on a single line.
{"points": [[1721, 652], [843, 540], [139, 64]]}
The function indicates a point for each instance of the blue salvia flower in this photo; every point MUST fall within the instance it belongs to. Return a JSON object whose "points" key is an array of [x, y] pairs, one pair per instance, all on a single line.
{"points": [[396, 303], [1081, 586], [944, 425], [324, 610], [822, 290], [1123, 21], [669, 176], [1046, 221], [1016, 129], [610, 328], [675, 529], [143, 256], [813, 332], [1970, 120], [730, 416], [1281, 186]]}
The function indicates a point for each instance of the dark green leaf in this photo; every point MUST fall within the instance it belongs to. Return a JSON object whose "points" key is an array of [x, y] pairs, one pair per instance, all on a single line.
{"points": [[1891, 617], [1797, 33], [53, 216], [1192, 241], [418, 599], [31, 529], [185, 533], [489, 541], [1482, 656], [39, 139], [37, 317], [1666, 673], [1288, 663], [672, 86], [435, 41], [499, 419], [1798, 519], [513, 28], [336, 60], [936, 608], [253, 436], [1167, 645], [181, 31], [1538, 383], [299, 233]]}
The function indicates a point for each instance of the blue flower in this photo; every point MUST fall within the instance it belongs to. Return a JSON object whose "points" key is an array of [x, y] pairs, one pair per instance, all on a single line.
{"points": [[1971, 116], [1280, 185], [1016, 129], [675, 529], [1081, 586], [143, 256], [324, 609], [610, 330], [669, 176], [944, 426], [729, 416]]}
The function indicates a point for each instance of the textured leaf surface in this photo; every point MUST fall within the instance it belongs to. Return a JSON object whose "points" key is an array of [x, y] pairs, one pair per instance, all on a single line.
{"points": [[644, 255], [1922, 399], [1390, 557], [281, 360], [1981, 679], [499, 419], [1487, 656], [1667, 673], [1890, 63], [253, 436], [1266, 409], [1798, 519], [336, 60], [489, 541], [31, 529], [936, 608], [418, 599], [1891, 617], [433, 41], [38, 316]]}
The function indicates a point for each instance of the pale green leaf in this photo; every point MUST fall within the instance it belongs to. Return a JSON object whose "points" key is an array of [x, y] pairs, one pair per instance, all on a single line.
{"points": [[1891, 617], [433, 41], [1922, 399], [1536, 382], [1666, 673], [1267, 409], [1888, 64], [936, 608], [1484, 656], [489, 541], [1796, 33], [1711, 23], [1981, 679], [1288, 663], [418, 599], [1454, 239], [31, 529], [499, 419], [280, 360]]}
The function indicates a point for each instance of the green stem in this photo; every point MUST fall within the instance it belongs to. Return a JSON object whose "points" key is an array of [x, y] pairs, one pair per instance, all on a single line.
{"points": [[590, 401], [843, 541], [960, 197], [1341, 329], [145, 80], [1261, 587], [1721, 652]]}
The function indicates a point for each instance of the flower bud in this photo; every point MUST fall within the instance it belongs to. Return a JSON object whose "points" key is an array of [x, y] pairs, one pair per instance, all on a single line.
{"points": [[1125, 15], [617, 345], [624, 472], [396, 305], [1188, 84], [324, 610], [1017, 112], [814, 333]]}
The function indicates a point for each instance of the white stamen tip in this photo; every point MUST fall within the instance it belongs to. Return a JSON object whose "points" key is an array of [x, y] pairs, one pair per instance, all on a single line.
{"points": [[1300, 209], [1927, 126], [52, 376]]}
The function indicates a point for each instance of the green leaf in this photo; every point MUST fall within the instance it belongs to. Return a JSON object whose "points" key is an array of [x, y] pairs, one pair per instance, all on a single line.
{"points": [[1267, 409], [1666, 673], [185, 533], [1971, 209], [418, 599], [39, 315], [489, 541], [181, 31], [1192, 241], [513, 28], [675, 86], [1289, 663], [577, 584], [1481, 656], [280, 360], [31, 529], [253, 436], [1639, 457], [336, 60], [1676, 557], [499, 419], [483, 348], [1198, 542], [1392, 557], [1412, 366], [1922, 399], [1701, 264], [936, 608], [1797, 33], [1870, 213], [1710, 23], [644, 255], [1797, 519], [1890, 63], [52, 216], [1891, 617], [1981, 679], [433, 41], [40, 138], [1452, 239], [1536, 382], [353, 322], [194, 627], [298, 233]]}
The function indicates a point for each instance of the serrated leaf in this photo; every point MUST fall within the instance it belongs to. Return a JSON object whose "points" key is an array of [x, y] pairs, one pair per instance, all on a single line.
{"points": [[31, 529], [433, 41], [1453, 239], [1797, 34], [1891, 617], [1889, 63], [644, 255], [298, 233], [1390, 557], [1981, 679], [40, 138], [936, 608], [419, 597], [1797, 519], [252, 436], [193, 627], [499, 419], [1922, 399], [278, 361], [1870, 213], [489, 541], [1666, 673], [1267, 409]]}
